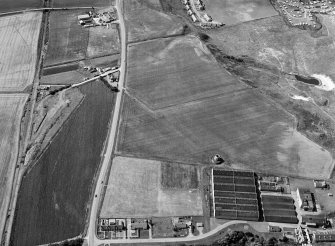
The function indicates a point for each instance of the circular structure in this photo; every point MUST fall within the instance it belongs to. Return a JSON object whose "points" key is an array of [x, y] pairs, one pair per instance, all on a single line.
{"points": [[217, 159]]}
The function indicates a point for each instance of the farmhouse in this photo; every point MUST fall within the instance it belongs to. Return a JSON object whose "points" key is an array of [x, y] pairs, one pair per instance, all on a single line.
{"points": [[143, 225], [306, 199]]}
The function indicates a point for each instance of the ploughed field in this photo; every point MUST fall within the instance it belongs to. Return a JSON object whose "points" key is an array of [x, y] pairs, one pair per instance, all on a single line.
{"points": [[53, 198], [146, 188], [67, 39], [19, 36], [180, 105], [146, 20], [11, 111], [10, 5]]}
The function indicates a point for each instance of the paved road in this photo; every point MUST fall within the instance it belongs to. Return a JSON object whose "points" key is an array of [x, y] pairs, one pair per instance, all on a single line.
{"points": [[91, 235], [94, 78]]}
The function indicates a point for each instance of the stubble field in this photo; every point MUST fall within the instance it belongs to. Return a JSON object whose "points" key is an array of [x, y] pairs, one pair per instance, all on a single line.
{"points": [[144, 195], [192, 109], [19, 36], [146, 20], [172, 71], [11, 109]]}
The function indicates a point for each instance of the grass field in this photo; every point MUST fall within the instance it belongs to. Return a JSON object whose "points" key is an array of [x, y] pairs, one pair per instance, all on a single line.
{"points": [[192, 109], [103, 41], [232, 12], [67, 40], [11, 109], [53, 198], [70, 77], [19, 36], [142, 193], [145, 20]]}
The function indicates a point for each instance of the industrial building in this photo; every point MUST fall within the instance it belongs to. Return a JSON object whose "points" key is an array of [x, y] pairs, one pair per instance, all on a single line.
{"points": [[306, 200], [235, 195], [279, 209], [323, 236]]}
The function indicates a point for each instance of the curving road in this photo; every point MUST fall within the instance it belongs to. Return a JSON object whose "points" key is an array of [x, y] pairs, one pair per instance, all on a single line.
{"points": [[98, 194]]}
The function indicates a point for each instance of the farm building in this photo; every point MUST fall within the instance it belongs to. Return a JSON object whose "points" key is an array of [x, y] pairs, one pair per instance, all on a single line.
{"points": [[320, 184], [235, 195], [279, 209], [84, 17], [323, 236], [306, 199], [194, 19], [207, 17]]}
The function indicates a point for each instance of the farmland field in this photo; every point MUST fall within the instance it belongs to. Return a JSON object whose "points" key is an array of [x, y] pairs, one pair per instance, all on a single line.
{"points": [[18, 55], [82, 3], [11, 109], [236, 11], [142, 194], [181, 106], [103, 41], [67, 40], [145, 20], [10, 5], [103, 61], [53, 197]]}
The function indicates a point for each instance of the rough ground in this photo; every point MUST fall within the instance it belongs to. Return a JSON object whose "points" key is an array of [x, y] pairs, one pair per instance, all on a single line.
{"points": [[195, 109]]}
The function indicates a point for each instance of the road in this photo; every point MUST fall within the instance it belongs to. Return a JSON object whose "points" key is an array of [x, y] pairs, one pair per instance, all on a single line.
{"points": [[91, 235], [94, 78], [172, 240]]}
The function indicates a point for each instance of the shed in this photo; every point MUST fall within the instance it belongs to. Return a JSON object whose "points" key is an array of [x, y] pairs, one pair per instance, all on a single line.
{"points": [[84, 17]]}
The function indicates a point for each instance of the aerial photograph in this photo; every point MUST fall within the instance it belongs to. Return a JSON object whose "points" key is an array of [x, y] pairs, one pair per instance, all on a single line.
{"points": [[167, 122]]}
